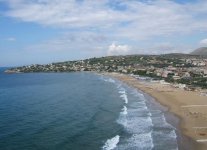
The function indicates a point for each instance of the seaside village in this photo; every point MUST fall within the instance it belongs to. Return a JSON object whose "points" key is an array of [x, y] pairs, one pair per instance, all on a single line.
{"points": [[186, 72]]}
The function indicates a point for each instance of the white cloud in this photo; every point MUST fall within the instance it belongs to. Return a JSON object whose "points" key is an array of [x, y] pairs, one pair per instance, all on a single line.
{"points": [[10, 39], [97, 22], [73, 45], [115, 49], [203, 42], [141, 19]]}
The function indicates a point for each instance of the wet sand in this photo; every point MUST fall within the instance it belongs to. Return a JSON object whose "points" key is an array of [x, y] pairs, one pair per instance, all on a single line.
{"points": [[190, 107]]}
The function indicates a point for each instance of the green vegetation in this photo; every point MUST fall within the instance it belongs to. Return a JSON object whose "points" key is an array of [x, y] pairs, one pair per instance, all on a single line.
{"points": [[173, 68]]}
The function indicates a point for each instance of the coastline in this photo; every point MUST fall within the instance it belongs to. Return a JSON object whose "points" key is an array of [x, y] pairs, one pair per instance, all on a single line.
{"points": [[184, 142], [187, 106]]}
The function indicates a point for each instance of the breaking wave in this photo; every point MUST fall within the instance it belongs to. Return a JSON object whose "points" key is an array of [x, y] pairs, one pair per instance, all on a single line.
{"points": [[148, 128], [111, 143], [124, 111]]}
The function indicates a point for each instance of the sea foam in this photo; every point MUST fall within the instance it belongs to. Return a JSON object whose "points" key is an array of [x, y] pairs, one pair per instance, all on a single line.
{"points": [[122, 92], [124, 97], [109, 80], [111, 143], [137, 122], [141, 141], [124, 111], [148, 127]]}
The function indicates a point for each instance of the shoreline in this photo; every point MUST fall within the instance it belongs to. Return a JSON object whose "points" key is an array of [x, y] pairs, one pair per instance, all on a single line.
{"points": [[187, 106], [183, 142]]}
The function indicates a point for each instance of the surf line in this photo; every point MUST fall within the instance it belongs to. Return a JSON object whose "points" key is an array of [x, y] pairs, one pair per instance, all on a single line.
{"points": [[200, 127], [202, 140], [194, 106]]}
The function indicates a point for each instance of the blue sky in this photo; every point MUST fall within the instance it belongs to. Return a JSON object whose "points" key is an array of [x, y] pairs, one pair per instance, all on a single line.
{"points": [[44, 31]]}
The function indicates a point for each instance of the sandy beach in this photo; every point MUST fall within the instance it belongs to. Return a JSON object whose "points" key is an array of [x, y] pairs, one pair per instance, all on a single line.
{"points": [[189, 106]]}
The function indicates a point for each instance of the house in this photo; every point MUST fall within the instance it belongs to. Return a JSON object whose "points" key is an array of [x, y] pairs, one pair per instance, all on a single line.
{"points": [[186, 75], [198, 63], [189, 61], [120, 68], [164, 83], [165, 73], [124, 71], [205, 71], [180, 86], [158, 72], [171, 68], [176, 77]]}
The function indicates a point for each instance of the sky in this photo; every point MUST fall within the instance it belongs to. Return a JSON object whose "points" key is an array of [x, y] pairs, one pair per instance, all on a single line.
{"points": [[45, 31]]}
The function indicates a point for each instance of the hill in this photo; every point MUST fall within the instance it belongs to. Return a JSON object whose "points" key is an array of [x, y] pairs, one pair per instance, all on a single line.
{"points": [[200, 51]]}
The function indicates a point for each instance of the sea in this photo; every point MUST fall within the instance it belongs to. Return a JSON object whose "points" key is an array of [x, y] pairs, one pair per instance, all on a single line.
{"points": [[79, 111]]}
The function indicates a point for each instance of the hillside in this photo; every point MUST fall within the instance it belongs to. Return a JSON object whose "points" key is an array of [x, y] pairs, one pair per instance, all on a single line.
{"points": [[200, 51]]}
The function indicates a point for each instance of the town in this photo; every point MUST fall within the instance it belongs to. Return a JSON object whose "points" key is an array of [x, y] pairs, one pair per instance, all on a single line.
{"points": [[182, 70]]}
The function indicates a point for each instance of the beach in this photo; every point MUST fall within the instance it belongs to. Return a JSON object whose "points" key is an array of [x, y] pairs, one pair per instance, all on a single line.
{"points": [[188, 106]]}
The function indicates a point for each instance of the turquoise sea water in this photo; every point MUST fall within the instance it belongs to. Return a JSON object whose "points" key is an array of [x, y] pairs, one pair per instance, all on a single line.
{"points": [[78, 111]]}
